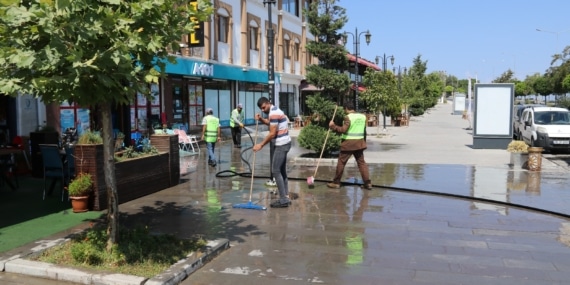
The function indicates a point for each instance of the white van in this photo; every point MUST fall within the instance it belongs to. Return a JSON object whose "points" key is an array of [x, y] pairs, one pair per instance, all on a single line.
{"points": [[547, 127]]}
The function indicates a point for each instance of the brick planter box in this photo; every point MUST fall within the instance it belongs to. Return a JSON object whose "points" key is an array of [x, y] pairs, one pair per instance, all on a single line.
{"points": [[135, 177], [169, 143]]}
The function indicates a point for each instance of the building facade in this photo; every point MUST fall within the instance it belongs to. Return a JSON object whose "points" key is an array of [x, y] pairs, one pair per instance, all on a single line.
{"points": [[224, 63]]}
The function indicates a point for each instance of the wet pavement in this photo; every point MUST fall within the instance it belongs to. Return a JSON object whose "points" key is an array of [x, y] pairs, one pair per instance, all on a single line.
{"points": [[430, 219]]}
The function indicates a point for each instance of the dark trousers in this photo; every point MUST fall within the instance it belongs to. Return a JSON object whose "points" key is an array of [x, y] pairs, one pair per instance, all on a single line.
{"points": [[236, 135], [271, 153], [279, 169], [343, 158]]}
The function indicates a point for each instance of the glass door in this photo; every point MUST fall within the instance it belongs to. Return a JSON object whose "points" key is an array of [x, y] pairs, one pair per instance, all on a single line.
{"points": [[179, 103], [195, 103]]}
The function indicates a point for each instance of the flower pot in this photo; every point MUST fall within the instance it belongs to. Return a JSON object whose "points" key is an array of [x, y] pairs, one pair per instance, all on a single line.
{"points": [[535, 158], [80, 204], [518, 160]]}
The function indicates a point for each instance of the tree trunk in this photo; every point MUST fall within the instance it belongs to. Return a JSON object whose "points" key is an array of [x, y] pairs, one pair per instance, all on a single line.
{"points": [[378, 123], [110, 179]]}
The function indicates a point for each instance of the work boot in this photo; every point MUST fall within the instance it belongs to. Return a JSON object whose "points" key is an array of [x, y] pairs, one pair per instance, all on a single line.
{"points": [[278, 204], [367, 186], [333, 185]]}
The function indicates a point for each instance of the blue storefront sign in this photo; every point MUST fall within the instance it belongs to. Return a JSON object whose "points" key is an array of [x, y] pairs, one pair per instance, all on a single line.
{"points": [[192, 67]]}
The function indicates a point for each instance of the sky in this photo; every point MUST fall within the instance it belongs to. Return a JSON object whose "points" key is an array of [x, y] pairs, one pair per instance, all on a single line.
{"points": [[478, 39]]}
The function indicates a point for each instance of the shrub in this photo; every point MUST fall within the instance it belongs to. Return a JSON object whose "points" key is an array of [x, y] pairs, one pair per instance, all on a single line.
{"points": [[517, 147], [89, 137], [312, 137], [81, 185]]}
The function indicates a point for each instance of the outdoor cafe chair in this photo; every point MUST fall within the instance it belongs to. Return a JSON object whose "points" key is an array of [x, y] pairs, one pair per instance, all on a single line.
{"points": [[53, 166], [70, 161]]}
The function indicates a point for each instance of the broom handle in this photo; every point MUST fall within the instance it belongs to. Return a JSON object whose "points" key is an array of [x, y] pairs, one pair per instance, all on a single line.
{"points": [[253, 166], [326, 138]]}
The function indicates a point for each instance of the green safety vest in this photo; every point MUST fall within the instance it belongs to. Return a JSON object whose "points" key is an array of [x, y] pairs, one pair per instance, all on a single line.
{"points": [[212, 124], [356, 129], [238, 115]]}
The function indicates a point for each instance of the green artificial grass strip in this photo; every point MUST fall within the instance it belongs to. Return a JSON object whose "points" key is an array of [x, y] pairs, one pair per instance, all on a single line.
{"points": [[27, 217], [19, 234]]}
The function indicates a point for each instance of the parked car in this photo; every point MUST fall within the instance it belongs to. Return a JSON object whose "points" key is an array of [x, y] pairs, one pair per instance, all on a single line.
{"points": [[547, 127], [517, 115]]}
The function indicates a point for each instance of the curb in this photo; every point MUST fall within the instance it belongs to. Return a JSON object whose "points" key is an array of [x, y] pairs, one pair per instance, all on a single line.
{"points": [[173, 275]]}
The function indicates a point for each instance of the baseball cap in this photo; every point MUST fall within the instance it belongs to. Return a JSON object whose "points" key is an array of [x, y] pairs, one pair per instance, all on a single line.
{"points": [[240, 105], [209, 110]]}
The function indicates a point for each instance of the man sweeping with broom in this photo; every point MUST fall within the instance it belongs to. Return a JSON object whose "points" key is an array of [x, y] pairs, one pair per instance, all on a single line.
{"points": [[353, 142], [278, 131]]}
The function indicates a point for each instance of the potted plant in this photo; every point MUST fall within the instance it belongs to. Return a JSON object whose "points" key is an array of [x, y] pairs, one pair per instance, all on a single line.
{"points": [[79, 190], [519, 154], [119, 141]]}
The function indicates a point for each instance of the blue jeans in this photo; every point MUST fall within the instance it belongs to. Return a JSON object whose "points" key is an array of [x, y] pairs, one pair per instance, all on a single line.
{"points": [[279, 171], [211, 146]]}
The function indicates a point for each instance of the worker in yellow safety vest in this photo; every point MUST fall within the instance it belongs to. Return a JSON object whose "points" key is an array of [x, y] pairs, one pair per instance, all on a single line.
{"points": [[236, 124], [211, 134], [353, 142]]}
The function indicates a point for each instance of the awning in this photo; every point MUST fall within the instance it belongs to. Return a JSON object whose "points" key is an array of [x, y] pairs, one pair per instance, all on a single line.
{"points": [[360, 88], [305, 86], [364, 62]]}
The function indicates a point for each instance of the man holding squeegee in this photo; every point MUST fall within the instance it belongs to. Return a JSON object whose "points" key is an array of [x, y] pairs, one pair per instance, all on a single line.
{"points": [[278, 131], [353, 142]]}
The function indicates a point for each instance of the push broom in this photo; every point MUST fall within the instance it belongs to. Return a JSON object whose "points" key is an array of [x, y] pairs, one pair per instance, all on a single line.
{"points": [[250, 205], [311, 179]]}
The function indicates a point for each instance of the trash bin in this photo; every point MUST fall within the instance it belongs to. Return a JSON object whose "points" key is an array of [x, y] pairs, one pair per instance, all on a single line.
{"points": [[535, 158]]}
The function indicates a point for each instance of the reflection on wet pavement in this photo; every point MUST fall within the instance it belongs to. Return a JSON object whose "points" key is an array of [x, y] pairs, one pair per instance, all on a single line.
{"points": [[355, 236]]}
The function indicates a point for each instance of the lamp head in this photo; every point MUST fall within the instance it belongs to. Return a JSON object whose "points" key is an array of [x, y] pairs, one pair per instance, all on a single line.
{"points": [[344, 38], [394, 70], [392, 60], [377, 59], [367, 37]]}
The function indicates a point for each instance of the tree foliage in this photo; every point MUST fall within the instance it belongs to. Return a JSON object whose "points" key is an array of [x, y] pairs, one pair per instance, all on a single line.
{"points": [[312, 137], [506, 77], [94, 53], [325, 18]]}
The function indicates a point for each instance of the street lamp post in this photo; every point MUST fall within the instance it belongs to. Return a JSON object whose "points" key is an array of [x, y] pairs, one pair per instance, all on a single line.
{"points": [[551, 32], [270, 53], [384, 64], [399, 79], [356, 40]]}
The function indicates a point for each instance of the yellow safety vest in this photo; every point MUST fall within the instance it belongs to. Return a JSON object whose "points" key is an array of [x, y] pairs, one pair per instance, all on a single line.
{"points": [[238, 115], [356, 129], [212, 124]]}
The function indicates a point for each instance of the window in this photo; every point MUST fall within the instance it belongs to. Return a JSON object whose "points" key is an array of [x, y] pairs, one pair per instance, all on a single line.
{"points": [[223, 25], [253, 38], [290, 6], [297, 51], [286, 48]]}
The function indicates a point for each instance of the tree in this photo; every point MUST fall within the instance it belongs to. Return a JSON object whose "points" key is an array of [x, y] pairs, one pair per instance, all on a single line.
{"points": [[94, 53], [522, 88], [381, 93], [543, 86], [325, 19], [506, 77]]}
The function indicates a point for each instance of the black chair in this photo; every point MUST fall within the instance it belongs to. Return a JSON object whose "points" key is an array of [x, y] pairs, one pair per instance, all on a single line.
{"points": [[8, 171], [53, 166], [70, 162]]}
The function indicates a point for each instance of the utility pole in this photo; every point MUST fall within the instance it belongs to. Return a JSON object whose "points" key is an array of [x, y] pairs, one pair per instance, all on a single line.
{"points": [[270, 53]]}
